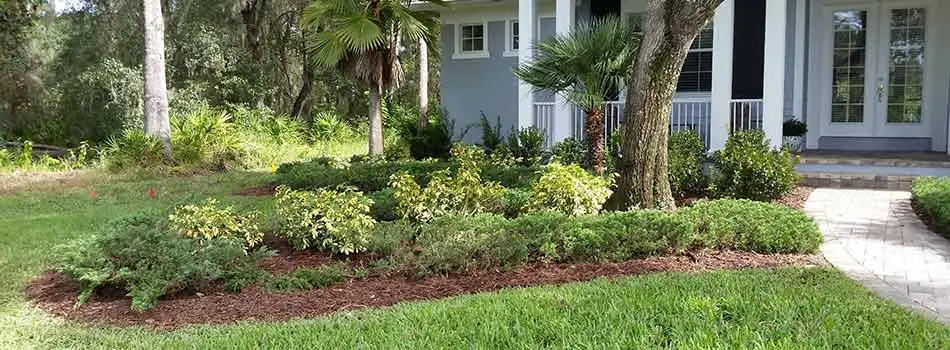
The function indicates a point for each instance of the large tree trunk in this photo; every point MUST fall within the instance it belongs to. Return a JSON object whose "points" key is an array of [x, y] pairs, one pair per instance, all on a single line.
{"points": [[595, 140], [423, 84], [375, 120], [156, 90], [670, 27]]}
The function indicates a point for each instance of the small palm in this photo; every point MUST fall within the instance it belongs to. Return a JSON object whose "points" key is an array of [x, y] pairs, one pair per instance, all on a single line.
{"points": [[586, 66]]}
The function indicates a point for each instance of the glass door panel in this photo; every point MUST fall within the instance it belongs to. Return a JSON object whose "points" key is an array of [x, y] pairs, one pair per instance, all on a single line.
{"points": [[905, 71], [849, 66]]}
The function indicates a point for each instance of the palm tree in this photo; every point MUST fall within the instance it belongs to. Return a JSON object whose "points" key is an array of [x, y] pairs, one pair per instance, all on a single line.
{"points": [[586, 66], [363, 38]]}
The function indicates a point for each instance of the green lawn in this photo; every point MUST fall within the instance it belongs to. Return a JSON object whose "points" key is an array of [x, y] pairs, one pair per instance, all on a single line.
{"points": [[789, 308]]}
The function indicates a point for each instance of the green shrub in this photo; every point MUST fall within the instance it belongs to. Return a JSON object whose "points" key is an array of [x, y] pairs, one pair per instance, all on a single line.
{"points": [[384, 206], [432, 141], [570, 190], [464, 193], [749, 168], [623, 236], [491, 136], [337, 221], [209, 221], [133, 149], [328, 126], [389, 237], [932, 196], [570, 151], [141, 255], [752, 226], [527, 145], [514, 201], [462, 243], [310, 278], [206, 138], [794, 127], [686, 155]]}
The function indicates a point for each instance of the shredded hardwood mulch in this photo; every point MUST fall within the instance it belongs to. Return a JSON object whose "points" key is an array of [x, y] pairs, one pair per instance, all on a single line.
{"points": [[797, 198], [257, 191], [56, 294]]}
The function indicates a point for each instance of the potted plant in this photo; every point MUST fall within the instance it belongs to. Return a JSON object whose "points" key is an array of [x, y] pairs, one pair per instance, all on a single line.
{"points": [[793, 132]]}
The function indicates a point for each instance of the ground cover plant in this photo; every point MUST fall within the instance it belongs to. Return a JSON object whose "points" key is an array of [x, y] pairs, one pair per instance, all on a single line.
{"points": [[931, 198]]}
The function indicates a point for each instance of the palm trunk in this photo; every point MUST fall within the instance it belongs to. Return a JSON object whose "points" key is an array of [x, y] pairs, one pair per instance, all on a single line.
{"points": [[670, 27], [156, 90], [595, 140], [375, 120], [423, 84]]}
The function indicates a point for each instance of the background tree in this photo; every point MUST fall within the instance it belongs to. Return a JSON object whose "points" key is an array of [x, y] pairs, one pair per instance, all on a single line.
{"points": [[586, 66], [156, 90], [669, 28], [363, 39], [423, 84]]}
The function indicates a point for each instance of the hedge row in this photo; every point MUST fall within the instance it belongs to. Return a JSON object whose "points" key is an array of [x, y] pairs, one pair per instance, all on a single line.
{"points": [[932, 196]]}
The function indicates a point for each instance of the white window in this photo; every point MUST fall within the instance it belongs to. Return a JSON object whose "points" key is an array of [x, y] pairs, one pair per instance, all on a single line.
{"points": [[471, 40], [696, 74], [511, 32]]}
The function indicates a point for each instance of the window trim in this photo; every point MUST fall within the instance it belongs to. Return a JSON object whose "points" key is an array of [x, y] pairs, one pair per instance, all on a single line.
{"points": [[509, 38], [483, 53]]}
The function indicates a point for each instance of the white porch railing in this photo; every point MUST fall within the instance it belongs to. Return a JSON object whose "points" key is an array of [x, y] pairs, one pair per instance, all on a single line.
{"points": [[544, 120], [746, 114]]}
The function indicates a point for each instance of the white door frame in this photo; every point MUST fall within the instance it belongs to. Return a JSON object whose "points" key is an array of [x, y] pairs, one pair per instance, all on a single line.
{"points": [[874, 125]]}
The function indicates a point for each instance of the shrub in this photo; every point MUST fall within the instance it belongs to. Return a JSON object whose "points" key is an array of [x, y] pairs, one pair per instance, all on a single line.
{"points": [[686, 156], [752, 226], [527, 145], [491, 136], [749, 168], [337, 221], [622, 236], [206, 137], [459, 243], [570, 190], [141, 255], [389, 237], [932, 197], [514, 202], [384, 206], [209, 221], [432, 141], [133, 149], [570, 151], [310, 278], [794, 127], [328, 126], [101, 102], [464, 193]]}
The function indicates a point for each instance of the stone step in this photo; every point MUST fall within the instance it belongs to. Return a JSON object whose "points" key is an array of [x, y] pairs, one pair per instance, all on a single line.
{"points": [[920, 160], [846, 175]]}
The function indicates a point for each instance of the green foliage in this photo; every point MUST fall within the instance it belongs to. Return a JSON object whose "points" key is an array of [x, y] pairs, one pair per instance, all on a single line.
{"points": [[686, 155], [372, 176], [141, 255], [335, 221], [794, 127], [749, 168], [101, 102], [932, 197], [329, 126], [570, 151], [753, 226], [432, 141], [491, 136], [310, 278], [464, 193], [206, 137], [460, 243], [527, 145], [133, 149], [570, 190], [208, 220]]}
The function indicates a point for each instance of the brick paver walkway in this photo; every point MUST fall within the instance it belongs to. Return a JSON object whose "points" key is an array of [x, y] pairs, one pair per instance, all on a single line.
{"points": [[875, 238]]}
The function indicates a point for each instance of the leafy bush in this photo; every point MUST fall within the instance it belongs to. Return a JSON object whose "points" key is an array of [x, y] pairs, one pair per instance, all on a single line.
{"points": [[372, 176], [570, 190], [686, 156], [384, 206], [133, 149], [794, 127], [570, 151], [206, 137], [310, 278], [527, 145], [141, 255], [464, 193], [749, 168], [622, 236], [460, 243], [209, 221], [432, 141], [329, 126], [337, 221], [491, 136], [932, 196], [752, 226]]}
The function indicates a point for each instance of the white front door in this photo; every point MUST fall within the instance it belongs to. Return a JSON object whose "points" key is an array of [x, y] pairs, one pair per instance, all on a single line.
{"points": [[875, 60]]}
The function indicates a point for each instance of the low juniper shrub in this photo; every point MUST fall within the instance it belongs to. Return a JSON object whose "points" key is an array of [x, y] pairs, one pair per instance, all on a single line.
{"points": [[932, 198], [310, 278], [752, 226]]}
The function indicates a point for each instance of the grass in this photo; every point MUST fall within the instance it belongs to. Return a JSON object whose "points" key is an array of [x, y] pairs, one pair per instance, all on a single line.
{"points": [[786, 309]]}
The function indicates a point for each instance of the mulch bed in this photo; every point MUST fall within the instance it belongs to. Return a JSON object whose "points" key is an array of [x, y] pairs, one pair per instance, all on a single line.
{"points": [[56, 294], [258, 191], [797, 198]]}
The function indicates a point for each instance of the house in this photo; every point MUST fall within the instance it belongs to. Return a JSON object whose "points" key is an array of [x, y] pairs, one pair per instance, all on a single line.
{"points": [[866, 75]]}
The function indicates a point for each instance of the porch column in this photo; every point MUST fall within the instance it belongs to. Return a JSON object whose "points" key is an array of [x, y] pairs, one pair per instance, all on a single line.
{"points": [[720, 111], [773, 86], [563, 110], [527, 34]]}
